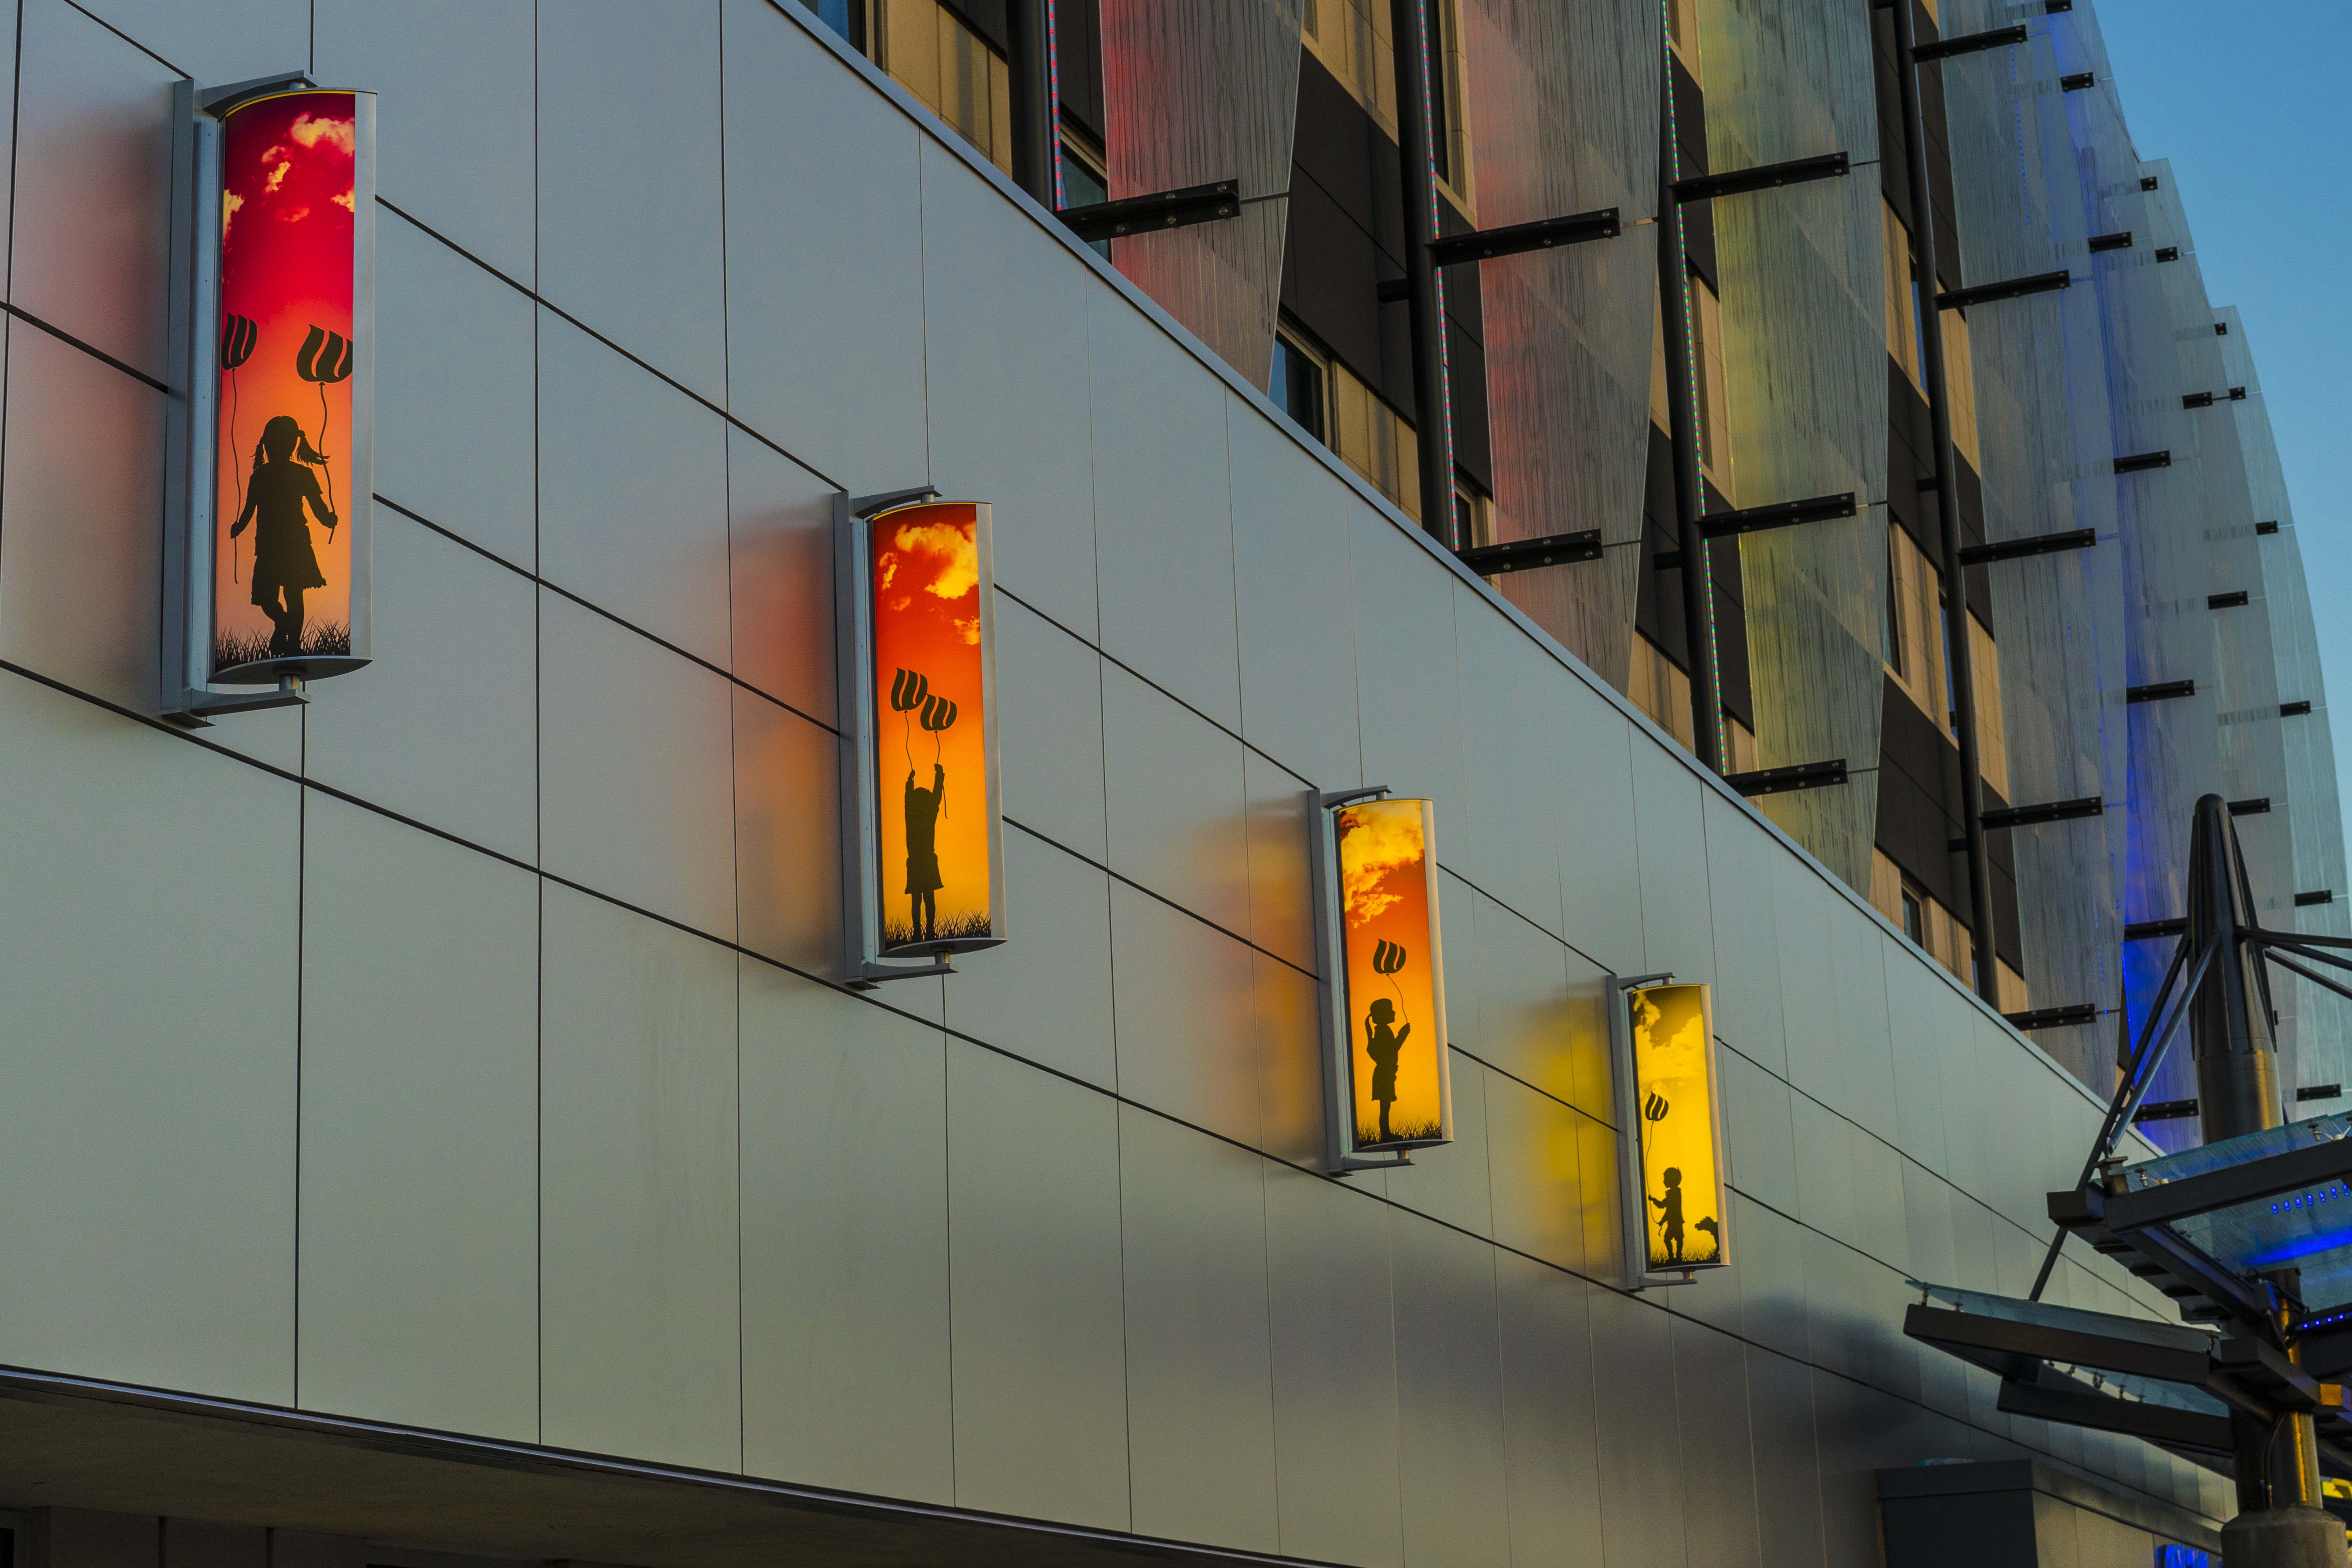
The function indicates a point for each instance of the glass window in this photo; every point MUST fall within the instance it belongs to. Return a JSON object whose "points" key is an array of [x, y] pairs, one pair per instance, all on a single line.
{"points": [[1296, 384], [1084, 184], [1917, 660], [1902, 295], [1992, 731], [1714, 402], [842, 17], [1914, 925], [1682, 34], [1892, 652], [929, 51], [1960, 386], [1375, 440]]}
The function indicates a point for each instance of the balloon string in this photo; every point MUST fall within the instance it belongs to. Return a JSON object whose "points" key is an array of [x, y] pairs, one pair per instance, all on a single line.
{"points": [[323, 461], [235, 458], [907, 740]]}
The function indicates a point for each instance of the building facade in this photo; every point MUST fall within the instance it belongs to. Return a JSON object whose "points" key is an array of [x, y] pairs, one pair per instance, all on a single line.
{"points": [[518, 1173]]}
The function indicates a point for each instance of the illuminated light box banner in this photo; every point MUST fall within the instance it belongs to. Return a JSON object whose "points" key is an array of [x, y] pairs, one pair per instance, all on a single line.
{"points": [[273, 328], [1670, 1110], [1388, 1086], [921, 826], [290, 497]]}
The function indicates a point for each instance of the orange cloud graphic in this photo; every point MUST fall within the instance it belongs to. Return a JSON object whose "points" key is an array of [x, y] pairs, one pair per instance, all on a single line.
{"points": [[940, 560], [1374, 843], [310, 130]]}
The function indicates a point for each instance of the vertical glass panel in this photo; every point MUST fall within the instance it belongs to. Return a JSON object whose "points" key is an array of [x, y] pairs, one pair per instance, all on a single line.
{"points": [[1197, 91], [2043, 442], [1804, 334], [1563, 120], [2319, 1021]]}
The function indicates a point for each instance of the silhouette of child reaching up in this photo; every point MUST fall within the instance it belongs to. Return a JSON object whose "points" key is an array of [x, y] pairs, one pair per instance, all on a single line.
{"points": [[1383, 1044]]}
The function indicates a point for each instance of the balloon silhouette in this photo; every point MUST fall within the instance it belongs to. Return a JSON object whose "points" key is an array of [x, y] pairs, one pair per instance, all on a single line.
{"points": [[238, 337], [1388, 958], [324, 358], [938, 714], [1654, 1108], [910, 689]]}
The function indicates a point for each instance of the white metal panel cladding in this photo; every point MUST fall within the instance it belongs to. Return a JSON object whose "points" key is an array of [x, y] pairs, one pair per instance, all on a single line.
{"points": [[1564, 119]]}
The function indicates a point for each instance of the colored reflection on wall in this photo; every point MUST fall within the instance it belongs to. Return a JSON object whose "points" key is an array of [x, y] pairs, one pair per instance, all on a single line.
{"points": [[1395, 993], [282, 549], [929, 726], [1673, 1106]]}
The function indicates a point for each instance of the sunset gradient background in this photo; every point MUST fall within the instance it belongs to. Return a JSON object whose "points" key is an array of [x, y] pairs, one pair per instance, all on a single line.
{"points": [[1385, 896], [925, 567], [1671, 1060], [287, 239]]}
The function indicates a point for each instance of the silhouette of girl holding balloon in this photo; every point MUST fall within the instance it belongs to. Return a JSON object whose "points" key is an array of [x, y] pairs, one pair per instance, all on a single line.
{"points": [[285, 566]]}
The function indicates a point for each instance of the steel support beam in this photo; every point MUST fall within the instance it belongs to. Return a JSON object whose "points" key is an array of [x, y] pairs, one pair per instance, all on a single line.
{"points": [[1424, 283], [1682, 427]]}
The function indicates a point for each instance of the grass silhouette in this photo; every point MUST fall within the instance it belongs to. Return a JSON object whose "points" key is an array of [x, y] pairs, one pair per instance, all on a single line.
{"points": [[1368, 1133], [901, 932], [320, 640]]}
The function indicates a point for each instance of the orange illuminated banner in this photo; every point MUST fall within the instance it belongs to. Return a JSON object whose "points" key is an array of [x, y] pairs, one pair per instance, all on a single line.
{"points": [[919, 676], [1377, 883], [1669, 1105], [291, 480]]}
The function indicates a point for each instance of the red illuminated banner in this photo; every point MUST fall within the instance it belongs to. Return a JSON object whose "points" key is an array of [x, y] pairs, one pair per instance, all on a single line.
{"points": [[291, 482]]}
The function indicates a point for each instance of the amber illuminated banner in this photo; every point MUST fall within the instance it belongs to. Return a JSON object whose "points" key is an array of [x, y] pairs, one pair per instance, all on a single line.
{"points": [[924, 869], [274, 325], [1388, 1088], [1669, 1109]]}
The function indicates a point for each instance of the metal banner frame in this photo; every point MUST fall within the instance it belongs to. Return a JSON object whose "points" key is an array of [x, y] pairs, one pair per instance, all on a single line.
{"points": [[1632, 1195], [190, 694], [1343, 1153], [863, 962]]}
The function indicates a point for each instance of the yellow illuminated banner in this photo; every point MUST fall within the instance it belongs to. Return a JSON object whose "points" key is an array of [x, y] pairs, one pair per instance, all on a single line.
{"points": [[1378, 878], [1667, 1099]]}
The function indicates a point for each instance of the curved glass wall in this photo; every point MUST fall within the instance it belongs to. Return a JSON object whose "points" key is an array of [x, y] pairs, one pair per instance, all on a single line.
{"points": [[2046, 447], [1564, 119], [1196, 91], [1805, 378]]}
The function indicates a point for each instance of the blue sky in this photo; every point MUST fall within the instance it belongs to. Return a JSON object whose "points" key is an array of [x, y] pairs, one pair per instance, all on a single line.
{"points": [[2239, 98]]}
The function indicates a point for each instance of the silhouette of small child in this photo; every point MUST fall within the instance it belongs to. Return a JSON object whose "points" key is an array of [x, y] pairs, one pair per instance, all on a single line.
{"points": [[922, 851], [284, 565], [1671, 1219], [1383, 1045]]}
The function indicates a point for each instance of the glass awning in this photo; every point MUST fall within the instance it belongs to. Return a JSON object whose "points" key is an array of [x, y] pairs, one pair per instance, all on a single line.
{"points": [[2306, 1227]]}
